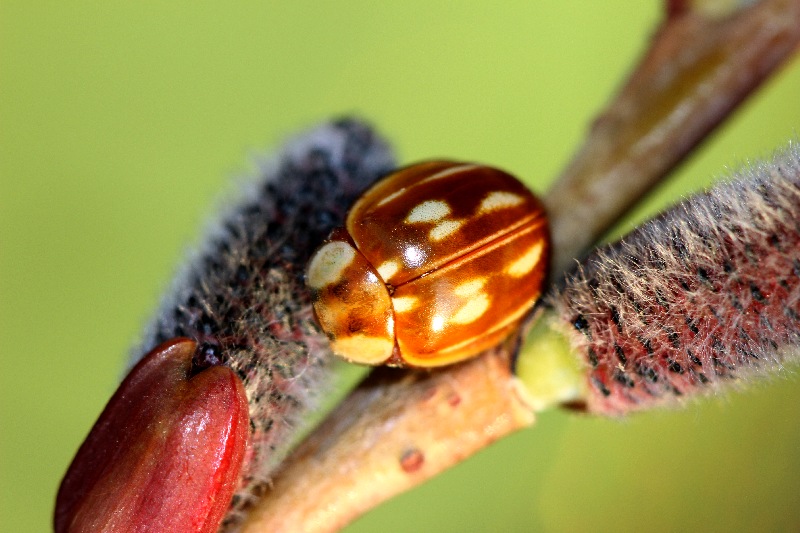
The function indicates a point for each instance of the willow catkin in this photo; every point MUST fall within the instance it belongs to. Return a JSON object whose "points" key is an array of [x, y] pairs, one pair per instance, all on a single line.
{"points": [[242, 295], [707, 293]]}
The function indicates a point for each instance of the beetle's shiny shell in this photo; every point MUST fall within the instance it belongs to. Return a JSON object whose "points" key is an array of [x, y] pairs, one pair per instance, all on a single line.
{"points": [[436, 263]]}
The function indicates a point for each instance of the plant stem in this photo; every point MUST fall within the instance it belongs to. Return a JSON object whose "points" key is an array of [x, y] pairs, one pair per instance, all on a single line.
{"points": [[697, 71], [396, 430]]}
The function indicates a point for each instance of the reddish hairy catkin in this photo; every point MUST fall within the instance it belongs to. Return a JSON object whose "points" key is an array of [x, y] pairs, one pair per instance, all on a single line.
{"points": [[704, 294], [242, 296]]}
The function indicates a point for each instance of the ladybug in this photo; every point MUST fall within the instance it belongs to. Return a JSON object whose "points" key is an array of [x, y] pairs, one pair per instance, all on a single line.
{"points": [[436, 263]]}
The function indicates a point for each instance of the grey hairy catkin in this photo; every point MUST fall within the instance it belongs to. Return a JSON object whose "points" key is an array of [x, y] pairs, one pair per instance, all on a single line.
{"points": [[705, 294], [242, 295]]}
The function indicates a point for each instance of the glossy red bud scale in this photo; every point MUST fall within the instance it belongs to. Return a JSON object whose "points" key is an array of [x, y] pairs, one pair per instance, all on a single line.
{"points": [[165, 454]]}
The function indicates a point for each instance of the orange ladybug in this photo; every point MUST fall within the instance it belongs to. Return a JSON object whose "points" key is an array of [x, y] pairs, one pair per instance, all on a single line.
{"points": [[436, 263]]}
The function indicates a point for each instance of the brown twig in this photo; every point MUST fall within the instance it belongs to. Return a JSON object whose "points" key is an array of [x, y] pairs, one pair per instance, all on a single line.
{"points": [[399, 428], [373, 446], [696, 72]]}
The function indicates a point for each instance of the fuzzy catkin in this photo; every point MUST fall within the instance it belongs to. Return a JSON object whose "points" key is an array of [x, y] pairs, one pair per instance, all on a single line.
{"points": [[705, 294], [243, 292]]}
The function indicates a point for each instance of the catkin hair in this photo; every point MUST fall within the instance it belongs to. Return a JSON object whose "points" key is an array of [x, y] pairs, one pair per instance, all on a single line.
{"points": [[243, 296], [707, 293]]}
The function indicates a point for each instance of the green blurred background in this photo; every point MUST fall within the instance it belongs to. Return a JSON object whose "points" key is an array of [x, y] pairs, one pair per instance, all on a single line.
{"points": [[121, 123]]}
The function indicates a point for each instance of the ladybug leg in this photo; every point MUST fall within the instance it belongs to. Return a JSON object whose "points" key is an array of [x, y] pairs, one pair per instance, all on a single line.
{"points": [[166, 452], [396, 359]]}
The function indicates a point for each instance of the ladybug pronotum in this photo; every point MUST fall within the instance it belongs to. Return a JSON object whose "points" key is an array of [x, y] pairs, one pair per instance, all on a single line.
{"points": [[436, 262]]}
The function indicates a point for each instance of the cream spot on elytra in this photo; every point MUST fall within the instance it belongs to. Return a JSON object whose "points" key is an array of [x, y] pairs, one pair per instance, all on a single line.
{"points": [[403, 304], [472, 310], [388, 269], [470, 288], [526, 262], [443, 229], [428, 211], [499, 200], [328, 264]]}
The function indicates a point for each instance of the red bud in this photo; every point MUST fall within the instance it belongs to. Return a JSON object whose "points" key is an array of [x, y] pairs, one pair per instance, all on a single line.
{"points": [[165, 454]]}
